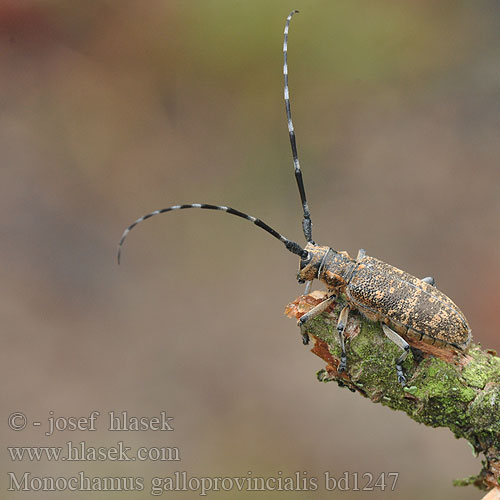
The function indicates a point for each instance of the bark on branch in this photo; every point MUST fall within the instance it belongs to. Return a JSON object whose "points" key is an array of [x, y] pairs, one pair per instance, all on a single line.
{"points": [[458, 392]]}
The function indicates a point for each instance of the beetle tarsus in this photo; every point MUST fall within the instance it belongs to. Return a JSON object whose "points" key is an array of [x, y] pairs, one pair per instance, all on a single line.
{"points": [[343, 364], [401, 343], [401, 375], [305, 338]]}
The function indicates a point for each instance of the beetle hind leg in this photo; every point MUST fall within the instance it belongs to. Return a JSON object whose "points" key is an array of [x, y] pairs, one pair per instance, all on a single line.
{"points": [[430, 280], [361, 254], [400, 342]]}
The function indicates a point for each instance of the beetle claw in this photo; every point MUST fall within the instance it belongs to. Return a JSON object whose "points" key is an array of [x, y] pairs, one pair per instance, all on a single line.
{"points": [[305, 338]]}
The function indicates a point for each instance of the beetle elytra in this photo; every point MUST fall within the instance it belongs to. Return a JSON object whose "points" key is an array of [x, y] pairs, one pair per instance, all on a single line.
{"points": [[407, 307]]}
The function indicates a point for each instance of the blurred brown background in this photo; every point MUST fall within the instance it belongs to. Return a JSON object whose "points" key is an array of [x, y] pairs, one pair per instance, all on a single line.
{"points": [[113, 109]]}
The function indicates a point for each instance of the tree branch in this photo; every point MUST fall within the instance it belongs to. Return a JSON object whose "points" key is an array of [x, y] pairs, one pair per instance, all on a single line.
{"points": [[461, 392]]}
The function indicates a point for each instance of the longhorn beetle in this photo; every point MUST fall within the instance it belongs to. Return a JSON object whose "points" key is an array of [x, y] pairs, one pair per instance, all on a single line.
{"points": [[407, 307]]}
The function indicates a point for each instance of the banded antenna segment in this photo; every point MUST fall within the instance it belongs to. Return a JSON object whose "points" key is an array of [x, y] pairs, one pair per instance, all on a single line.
{"points": [[306, 221], [290, 245]]}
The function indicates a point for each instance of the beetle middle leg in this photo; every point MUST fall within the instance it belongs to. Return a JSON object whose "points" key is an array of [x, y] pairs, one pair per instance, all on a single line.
{"points": [[315, 311], [400, 342], [341, 324]]}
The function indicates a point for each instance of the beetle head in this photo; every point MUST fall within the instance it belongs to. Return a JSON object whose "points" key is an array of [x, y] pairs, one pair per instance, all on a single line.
{"points": [[311, 263]]}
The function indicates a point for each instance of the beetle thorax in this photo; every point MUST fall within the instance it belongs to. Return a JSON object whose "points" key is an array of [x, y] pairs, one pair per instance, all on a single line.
{"points": [[323, 263], [336, 270], [311, 267]]}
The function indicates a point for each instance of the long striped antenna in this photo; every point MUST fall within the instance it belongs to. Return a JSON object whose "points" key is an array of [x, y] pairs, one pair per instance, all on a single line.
{"points": [[306, 221], [290, 245]]}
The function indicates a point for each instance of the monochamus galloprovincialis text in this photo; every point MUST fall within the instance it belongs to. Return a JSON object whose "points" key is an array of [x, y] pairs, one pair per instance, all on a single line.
{"points": [[408, 308]]}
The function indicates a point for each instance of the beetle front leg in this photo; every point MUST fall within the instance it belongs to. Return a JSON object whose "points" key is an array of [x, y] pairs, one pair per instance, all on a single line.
{"points": [[400, 342], [341, 324], [315, 311]]}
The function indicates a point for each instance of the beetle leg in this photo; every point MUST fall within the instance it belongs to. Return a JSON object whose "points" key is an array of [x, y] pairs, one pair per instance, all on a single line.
{"points": [[341, 324], [308, 287], [315, 311], [361, 254], [400, 342], [430, 280]]}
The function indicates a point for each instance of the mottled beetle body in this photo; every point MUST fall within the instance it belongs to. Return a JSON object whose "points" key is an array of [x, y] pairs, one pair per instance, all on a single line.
{"points": [[411, 306], [409, 309]]}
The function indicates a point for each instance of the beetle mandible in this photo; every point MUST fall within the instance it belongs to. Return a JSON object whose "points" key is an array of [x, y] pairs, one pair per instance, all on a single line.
{"points": [[408, 308]]}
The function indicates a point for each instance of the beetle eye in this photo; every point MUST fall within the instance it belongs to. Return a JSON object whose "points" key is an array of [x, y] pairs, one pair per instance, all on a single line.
{"points": [[305, 261]]}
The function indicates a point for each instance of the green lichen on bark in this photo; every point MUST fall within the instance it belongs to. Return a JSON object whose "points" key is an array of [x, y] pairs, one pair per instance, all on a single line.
{"points": [[463, 395]]}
